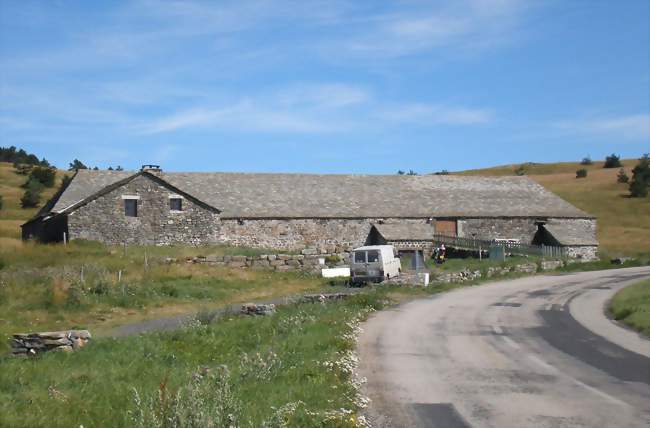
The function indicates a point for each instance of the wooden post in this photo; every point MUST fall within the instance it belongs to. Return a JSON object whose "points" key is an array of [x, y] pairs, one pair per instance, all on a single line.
{"points": [[146, 262], [82, 273], [119, 276], [65, 239]]}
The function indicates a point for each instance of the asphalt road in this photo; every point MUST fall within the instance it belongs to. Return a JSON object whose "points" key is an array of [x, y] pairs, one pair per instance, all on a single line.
{"points": [[531, 352]]}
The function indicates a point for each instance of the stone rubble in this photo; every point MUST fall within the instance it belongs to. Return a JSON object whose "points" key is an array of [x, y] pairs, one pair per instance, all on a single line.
{"points": [[255, 309], [26, 344]]}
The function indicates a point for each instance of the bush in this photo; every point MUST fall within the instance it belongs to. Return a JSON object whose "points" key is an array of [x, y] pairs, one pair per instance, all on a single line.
{"points": [[44, 175], [521, 170], [586, 161], [0, 202], [641, 178], [581, 173], [622, 176], [32, 196], [612, 161]]}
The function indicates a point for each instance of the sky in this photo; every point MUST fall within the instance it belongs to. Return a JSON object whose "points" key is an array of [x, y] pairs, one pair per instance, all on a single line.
{"points": [[325, 86]]}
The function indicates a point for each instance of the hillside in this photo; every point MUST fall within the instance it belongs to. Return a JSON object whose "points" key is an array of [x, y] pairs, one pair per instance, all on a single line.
{"points": [[623, 222], [11, 214]]}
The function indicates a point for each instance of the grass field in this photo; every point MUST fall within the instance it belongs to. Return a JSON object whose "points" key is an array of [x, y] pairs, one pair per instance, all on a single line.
{"points": [[623, 222], [78, 285], [631, 306], [290, 369]]}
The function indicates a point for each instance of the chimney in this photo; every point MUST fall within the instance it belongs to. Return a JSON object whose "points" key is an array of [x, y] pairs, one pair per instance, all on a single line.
{"points": [[152, 169]]}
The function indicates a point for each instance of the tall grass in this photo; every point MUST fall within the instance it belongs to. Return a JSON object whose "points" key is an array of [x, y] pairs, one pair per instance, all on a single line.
{"points": [[631, 306], [291, 368]]}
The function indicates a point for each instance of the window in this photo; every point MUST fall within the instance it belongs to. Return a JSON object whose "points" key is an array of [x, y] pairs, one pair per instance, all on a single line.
{"points": [[360, 257], [175, 204], [131, 207], [373, 256]]}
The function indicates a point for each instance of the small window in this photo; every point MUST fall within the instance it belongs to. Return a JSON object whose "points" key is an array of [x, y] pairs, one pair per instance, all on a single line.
{"points": [[360, 257], [131, 207], [373, 256], [176, 204]]}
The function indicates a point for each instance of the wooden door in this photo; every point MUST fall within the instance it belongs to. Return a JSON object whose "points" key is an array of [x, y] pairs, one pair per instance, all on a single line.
{"points": [[446, 227]]}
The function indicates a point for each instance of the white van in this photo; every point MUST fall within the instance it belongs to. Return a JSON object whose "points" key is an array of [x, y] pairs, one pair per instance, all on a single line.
{"points": [[374, 263]]}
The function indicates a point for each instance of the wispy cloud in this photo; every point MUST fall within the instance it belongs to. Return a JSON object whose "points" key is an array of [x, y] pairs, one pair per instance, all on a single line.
{"points": [[436, 114], [636, 126], [460, 26], [314, 109]]}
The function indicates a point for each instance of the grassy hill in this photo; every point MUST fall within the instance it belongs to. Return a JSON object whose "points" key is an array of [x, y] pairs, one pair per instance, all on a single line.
{"points": [[623, 222], [11, 214]]}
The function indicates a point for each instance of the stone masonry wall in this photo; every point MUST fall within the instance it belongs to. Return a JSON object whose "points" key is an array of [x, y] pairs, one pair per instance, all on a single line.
{"points": [[523, 229], [104, 220], [324, 235]]}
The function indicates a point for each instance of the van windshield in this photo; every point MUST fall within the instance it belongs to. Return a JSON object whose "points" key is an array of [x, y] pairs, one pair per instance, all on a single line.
{"points": [[373, 256], [359, 256]]}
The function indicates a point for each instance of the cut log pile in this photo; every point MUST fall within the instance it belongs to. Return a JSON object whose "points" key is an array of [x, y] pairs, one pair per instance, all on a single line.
{"points": [[36, 343]]}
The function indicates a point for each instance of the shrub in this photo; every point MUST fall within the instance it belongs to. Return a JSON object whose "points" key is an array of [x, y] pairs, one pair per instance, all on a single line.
{"points": [[586, 161], [641, 178], [1, 202], [622, 176], [76, 164], [44, 175], [443, 172], [32, 196], [612, 161], [521, 170], [581, 173]]}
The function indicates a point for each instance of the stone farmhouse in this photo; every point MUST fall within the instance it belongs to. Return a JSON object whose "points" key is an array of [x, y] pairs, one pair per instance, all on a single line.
{"points": [[327, 213]]}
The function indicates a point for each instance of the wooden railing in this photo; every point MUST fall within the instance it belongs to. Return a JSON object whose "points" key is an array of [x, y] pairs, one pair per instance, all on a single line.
{"points": [[509, 247]]}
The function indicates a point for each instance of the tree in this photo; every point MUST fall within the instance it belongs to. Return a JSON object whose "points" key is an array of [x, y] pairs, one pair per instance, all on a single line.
{"points": [[32, 196], [622, 176], [411, 172], [11, 154], [76, 165], [612, 161], [581, 173], [641, 178], [43, 174], [586, 161], [400, 172]]}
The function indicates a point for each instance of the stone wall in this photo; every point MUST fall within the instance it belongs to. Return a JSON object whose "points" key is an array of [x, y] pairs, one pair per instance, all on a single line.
{"points": [[277, 262], [325, 235], [523, 229], [584, 252], [104, 220]]}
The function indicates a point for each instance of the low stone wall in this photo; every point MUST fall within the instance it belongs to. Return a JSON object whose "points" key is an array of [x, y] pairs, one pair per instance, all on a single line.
{"points": [[308, 261], [27, 344], [465, 275]]}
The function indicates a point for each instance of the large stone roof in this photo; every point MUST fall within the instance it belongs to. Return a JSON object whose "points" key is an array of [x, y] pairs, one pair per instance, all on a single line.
{"points": [[246, 195]]}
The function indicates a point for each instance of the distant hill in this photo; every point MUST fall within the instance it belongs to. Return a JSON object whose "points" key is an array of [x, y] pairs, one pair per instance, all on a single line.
{"points": [[623, 222]]}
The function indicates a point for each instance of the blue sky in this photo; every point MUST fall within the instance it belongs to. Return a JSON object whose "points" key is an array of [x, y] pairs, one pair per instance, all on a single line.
{"points": [[324, 86]]}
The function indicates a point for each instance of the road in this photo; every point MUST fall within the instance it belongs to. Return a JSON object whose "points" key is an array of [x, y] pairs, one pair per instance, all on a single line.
{"points": [[530, 352]]}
